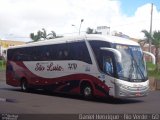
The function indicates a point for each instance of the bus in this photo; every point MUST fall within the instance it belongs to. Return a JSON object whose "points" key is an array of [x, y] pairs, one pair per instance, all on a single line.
{"points": [[89, 65]]}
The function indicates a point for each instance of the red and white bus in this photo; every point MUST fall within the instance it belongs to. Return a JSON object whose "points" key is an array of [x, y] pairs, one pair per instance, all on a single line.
{"points": [[90, 65]]}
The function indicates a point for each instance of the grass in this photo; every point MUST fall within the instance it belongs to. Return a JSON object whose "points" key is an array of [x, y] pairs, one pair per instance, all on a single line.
{"points": [[2, 65], [152, 72]]}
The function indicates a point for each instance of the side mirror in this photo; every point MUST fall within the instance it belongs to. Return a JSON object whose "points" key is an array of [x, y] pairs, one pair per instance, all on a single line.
{"points": [[152, 55], [116, 53]]}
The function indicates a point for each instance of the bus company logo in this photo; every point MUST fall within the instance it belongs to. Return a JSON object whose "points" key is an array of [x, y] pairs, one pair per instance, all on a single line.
{"points": [[72, 66], [49, 67]]}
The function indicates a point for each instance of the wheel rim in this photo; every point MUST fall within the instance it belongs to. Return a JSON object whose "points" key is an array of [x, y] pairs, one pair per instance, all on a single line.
{"points": [[87, 91], [24, 88]]}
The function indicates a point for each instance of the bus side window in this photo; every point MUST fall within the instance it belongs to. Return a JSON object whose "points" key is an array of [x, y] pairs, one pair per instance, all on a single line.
{"points": [[79, 51]]}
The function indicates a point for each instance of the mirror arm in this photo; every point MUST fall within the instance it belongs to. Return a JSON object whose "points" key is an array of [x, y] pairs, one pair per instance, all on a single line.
{"points": [[152, 55], [116, 52]]}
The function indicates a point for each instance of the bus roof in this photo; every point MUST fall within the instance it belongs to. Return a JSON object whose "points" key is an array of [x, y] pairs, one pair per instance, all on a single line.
{"points": [[90, 37], [112, 39]]}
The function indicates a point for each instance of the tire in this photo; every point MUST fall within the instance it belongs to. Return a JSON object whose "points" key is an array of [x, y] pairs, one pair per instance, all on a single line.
{"points": [[24, 85], [87, 91]]}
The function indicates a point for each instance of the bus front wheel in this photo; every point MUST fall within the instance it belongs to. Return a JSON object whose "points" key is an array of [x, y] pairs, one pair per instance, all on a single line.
{"points": [[24, 85]]}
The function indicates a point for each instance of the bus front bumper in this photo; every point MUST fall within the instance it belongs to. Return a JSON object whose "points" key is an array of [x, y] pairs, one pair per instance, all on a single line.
{"points": [[123, 91]]}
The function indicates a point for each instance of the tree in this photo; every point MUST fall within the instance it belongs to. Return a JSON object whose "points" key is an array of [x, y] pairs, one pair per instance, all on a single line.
{"points": [[148, 37], [91, 31], [42, 35], [155, 40], [36, 37], [52, 35], [120, 34]]}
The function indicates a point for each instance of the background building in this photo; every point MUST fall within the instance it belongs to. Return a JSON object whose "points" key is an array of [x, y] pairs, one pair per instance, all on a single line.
{"points": [[104, 30], [4, 44]]}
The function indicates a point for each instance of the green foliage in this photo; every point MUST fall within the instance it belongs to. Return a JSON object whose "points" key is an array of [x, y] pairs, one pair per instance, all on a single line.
{"points": [[147, 35], [2, 65], [91, 31], [42, 35], [155, 74], [150, 66], [155, 40], [152, 71], [34, 37]]}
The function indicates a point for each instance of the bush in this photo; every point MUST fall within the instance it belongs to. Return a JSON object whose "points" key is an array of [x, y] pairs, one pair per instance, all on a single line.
{"points": [[152, 71], [2, 65], [150, 66], [1, 57]]}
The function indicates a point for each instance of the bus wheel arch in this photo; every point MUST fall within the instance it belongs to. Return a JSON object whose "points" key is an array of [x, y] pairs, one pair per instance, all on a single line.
{"points": [[24, 84], [86, 89]]}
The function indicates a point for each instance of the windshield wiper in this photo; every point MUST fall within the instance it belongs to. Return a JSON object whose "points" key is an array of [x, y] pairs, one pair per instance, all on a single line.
{"points": [[141, 72], [131, 70], [139, 69]]}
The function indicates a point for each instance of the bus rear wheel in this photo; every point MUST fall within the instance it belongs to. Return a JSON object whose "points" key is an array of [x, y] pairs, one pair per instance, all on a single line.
{"points": [[87, 91], [24, 85]]}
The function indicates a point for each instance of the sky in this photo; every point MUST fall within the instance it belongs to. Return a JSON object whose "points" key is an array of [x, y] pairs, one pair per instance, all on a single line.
{"points": [[130, 6], [19, 18]]}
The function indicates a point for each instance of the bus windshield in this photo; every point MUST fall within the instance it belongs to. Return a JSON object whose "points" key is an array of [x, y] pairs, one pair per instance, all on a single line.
{"points": [[132, 67]]}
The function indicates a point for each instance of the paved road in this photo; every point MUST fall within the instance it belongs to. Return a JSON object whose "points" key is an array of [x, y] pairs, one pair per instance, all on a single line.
{"points": [[2, 76], [46, 103], [13, 101]]}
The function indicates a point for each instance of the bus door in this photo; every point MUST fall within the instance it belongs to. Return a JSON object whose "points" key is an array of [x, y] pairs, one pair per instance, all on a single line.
{"points": [[108, 69]]}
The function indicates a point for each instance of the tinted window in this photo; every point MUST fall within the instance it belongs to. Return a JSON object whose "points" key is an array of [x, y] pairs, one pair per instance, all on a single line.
{"points": [[96, 45], [66, 51], [79, 51]]}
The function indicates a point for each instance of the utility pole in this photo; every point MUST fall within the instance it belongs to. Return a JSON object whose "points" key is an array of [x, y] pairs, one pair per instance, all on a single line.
{"points": [[150, 41]]}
